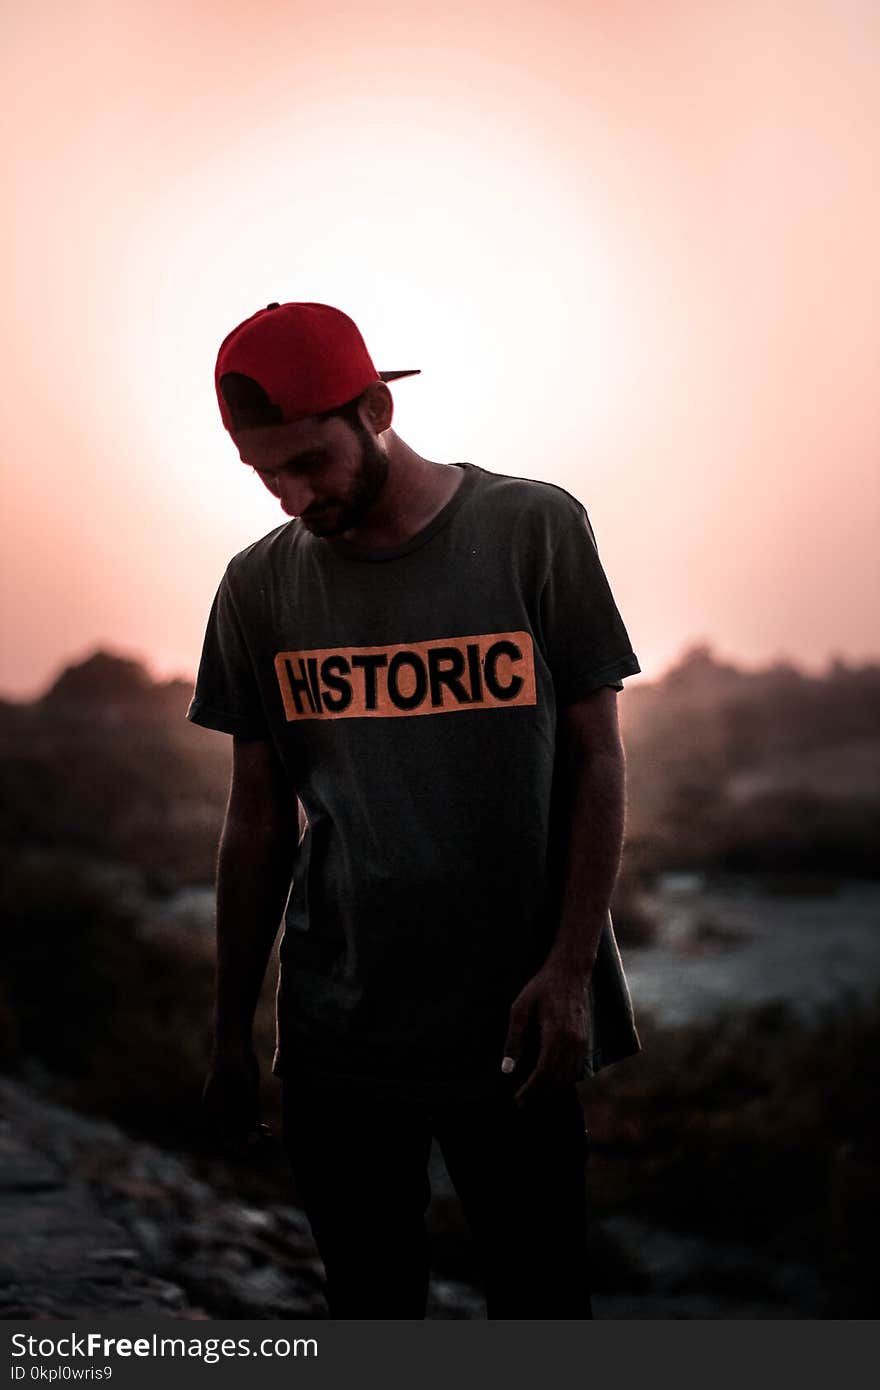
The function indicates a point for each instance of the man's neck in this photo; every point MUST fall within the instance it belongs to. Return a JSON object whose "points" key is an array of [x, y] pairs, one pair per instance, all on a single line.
{"points": [[415, 490]]}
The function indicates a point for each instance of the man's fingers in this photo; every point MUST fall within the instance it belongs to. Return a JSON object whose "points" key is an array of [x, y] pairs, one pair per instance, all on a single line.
{"points": [[562, 1034], [519, 1018], [537, 1080], [558, 1063], [253, 1143]]}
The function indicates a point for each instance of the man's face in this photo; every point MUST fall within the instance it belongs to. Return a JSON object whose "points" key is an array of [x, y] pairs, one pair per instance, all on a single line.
{"points": [[326, 472]]}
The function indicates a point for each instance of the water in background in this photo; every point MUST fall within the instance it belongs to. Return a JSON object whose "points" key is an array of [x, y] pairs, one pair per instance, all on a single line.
{"points": [[722, 948]]}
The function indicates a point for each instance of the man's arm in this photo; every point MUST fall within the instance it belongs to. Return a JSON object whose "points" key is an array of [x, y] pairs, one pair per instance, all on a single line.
{"points": [[593, 763], [254, 866]]}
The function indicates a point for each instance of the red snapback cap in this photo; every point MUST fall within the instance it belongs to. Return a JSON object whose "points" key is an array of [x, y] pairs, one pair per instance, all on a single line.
{"points": [[288, 361]]}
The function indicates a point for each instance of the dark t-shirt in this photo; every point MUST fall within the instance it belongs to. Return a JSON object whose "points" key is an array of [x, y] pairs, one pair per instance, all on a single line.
{"points": [[411, 695]]}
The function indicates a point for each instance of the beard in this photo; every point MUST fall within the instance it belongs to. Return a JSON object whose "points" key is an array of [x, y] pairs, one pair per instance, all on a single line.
{"points": [[335, 518]]}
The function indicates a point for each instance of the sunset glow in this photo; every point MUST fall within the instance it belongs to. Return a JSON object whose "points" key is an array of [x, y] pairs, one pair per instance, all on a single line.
{"points": [[632, 247]]}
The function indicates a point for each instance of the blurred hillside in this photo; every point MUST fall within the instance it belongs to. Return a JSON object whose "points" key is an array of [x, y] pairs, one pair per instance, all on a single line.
{"points": [[105, 764], [767, 771]]}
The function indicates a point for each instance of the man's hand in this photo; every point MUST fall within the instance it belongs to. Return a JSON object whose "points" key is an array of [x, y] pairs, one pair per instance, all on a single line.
{"points": [[554, 1004], [231, 1096]]}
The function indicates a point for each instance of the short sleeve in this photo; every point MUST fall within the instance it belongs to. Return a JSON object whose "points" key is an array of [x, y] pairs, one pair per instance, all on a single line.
{"points": [[227, 693], [586, 644]]}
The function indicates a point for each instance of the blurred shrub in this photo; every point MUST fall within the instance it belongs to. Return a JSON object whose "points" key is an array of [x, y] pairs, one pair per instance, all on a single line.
{"points": [[734, 1127], [151, 795], [693, 738], [120, 1018]]}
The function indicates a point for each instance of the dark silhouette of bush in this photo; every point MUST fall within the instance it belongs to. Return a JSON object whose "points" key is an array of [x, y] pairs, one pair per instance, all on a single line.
{"points": [[101, 766], [737, 1129], [120, 1017], [691, 736], [104, 680]]}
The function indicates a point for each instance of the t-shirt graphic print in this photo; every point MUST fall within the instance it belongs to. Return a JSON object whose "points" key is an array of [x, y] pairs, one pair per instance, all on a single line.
{"points": [[486, 671]]}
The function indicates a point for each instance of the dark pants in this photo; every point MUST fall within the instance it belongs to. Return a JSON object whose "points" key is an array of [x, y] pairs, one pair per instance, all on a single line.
{"points": [[361, 1167]]}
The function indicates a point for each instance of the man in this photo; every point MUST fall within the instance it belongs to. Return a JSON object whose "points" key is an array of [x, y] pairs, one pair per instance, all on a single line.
{"points": [[426, 656]]}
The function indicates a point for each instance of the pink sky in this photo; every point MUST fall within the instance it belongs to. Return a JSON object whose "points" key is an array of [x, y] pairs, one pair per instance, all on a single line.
{"points": [[632, 246]]}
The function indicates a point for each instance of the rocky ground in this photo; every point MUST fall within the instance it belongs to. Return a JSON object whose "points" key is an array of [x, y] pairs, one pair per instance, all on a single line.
{"points": [[92, 1222], [95, 1223]]}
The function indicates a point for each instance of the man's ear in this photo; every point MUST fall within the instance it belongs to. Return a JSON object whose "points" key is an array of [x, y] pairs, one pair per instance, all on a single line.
{"points": [[377, 407]]}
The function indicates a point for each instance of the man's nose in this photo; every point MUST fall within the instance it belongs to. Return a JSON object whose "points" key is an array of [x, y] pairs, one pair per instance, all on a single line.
{"points": [[294, 494]]}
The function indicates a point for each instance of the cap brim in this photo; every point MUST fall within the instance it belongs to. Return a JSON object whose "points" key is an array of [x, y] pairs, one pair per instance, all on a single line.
{"points": [[393, 376]]}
